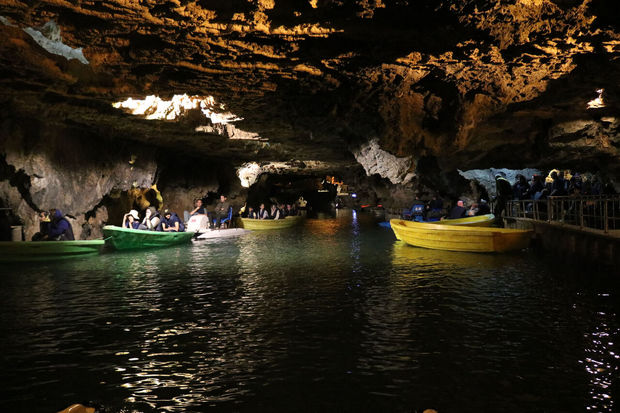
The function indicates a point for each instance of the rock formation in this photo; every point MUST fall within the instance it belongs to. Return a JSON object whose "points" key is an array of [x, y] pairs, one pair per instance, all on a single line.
{"points": [[410, 90]]}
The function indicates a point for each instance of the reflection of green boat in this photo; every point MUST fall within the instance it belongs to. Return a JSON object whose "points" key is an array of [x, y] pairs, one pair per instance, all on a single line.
{"points": [[47, 250], [127, 239], [259, 224]]}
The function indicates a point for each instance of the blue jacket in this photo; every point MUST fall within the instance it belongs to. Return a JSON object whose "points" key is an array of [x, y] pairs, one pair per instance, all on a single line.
{"points": [[60, 226], [173, 219]]}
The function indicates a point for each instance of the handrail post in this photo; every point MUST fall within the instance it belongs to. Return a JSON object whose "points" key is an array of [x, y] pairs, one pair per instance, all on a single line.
{"points": [[549, 210], [581, 213], [606, 212]]}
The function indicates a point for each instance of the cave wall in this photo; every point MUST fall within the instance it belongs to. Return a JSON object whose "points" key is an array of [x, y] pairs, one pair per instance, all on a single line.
{"points": [[93, 180]]}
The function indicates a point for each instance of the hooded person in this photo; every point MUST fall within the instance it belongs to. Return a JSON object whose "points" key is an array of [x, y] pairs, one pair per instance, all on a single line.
{"points": [[171, 222], [60, 228]]}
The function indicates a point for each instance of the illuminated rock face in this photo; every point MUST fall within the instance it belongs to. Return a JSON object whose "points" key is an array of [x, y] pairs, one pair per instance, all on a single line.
{"points": [[468, 85]]}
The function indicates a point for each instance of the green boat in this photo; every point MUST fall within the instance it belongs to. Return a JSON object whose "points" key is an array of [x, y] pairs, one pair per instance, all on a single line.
{"points": [[130, 239], [25, 251]]}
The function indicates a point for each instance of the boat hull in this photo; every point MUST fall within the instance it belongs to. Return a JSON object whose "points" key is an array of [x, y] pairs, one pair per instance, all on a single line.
{"points": [[268, 224], [129, 239], [459, 238], [25, 251]]}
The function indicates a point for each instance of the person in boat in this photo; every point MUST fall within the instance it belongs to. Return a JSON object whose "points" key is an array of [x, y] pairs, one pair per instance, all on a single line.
{"points": [[252, 214], [262, 212], [44, 226], [199, 209], [171, 222], [283, 211], [483, 207], [220, 212], [275, 213], [152, 220], [459, 211], [434, 208], [60, 227], [472, 210], [417, 212], [131, 220], [503, 195], [291, 211]]}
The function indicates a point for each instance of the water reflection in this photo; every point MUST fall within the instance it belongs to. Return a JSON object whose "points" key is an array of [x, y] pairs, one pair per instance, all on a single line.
{"points": [[601, 361], [334, 315]]}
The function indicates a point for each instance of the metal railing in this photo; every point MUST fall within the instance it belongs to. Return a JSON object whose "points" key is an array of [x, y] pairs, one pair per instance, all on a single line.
{"points": [[594, 212]]}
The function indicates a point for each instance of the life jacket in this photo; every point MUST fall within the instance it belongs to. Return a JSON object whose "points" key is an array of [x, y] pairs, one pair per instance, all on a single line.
{"points": [[417, 209]]}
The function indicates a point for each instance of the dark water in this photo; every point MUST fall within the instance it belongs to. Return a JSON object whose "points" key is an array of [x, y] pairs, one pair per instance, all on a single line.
{"points": [[335, 316]]}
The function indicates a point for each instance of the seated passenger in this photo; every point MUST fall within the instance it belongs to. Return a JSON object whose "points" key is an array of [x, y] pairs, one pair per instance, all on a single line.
{"points": [[458, 211], [435, 208], [275, 212], [220, 212], [483, 207], [171, 222], [252, 214], [199, 209], [473, 210], [290, 210], [283, 211], [262, 212], [60, 227], [152, 220], [44, 226], [131, 220]]}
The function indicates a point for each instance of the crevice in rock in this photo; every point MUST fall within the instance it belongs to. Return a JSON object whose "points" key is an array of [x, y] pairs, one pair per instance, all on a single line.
{"points": [[17, 179]]}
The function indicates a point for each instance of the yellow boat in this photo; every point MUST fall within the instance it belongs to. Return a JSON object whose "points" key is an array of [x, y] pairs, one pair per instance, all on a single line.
{"points": [[477, 221], [261, 224], [460, 238]]}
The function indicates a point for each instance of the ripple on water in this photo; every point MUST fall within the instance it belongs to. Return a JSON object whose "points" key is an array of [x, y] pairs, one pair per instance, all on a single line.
{"points": [[334, 315]]}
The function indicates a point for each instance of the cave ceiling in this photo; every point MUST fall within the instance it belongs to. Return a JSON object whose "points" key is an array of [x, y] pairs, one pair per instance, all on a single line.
{"points": [[468, 84]]}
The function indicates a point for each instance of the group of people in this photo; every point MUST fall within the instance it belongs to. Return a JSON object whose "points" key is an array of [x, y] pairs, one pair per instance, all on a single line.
{"points": [[277, 211], [169, 221], [433, 210], [153, 220]]}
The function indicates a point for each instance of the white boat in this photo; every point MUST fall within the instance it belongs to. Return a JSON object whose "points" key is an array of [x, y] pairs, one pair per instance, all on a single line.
{"points": [[223, 233]]}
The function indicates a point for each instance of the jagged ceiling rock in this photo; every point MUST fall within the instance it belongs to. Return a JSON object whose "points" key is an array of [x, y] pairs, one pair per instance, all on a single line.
{"points": [[474, 83]]}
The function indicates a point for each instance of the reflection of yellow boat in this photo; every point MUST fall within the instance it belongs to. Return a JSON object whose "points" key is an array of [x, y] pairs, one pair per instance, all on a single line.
{"points": [[460, 238], [477, 221], [260, 224], [411, 260]]}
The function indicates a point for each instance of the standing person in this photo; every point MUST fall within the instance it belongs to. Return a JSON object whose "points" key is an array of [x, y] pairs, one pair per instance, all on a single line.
{"points": [[131, 220], [262, 212], [503, 195], [60, 227], [221, 210], [152, 220], [171, 222], [521, 188]]}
